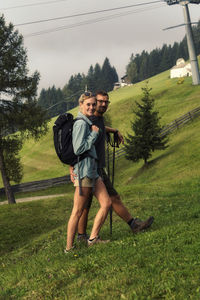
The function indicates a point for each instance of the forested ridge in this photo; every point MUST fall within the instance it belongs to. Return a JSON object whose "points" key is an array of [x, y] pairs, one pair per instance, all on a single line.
{"points": [[140, 67], [97, 78], [147, 64]]}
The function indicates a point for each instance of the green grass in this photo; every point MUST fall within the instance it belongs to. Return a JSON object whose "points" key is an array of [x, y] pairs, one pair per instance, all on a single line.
{"points": [[171, 101], [162, 263]]}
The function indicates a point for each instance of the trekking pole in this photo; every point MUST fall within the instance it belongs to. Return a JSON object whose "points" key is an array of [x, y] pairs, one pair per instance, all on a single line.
{"points": [[114, 145], [108, 163], [112, 181], [108, 171], [113, 165]]}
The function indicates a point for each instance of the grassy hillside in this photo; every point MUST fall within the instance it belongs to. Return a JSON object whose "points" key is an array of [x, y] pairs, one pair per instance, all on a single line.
{"points": [[171, 100], [162, 263]]}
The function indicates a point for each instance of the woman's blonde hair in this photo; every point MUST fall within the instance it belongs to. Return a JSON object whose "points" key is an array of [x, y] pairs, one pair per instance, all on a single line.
{"points": [[85, 96]]}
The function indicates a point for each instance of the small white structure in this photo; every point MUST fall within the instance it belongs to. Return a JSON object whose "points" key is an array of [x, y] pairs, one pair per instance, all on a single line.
{"points": [[117, 85], [124, 82], [181, 69]]}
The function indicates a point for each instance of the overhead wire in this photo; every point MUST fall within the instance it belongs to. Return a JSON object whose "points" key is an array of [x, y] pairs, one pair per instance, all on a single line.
{"points": [[32, 4], [88, 13], [67, 98], [87, 22]]}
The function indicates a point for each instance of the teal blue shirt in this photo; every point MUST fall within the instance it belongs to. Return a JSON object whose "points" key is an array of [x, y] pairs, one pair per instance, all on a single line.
{"points": [[83, 139]]}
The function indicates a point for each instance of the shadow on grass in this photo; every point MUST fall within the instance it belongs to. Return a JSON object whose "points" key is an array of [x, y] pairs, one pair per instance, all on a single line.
{"points": [[154, 161], [160, 94]]}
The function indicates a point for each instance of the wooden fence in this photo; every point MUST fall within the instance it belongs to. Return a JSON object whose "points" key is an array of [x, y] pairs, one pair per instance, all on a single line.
{"points": [[43, 184], [180, 122], [169, 128], [38, 185]]}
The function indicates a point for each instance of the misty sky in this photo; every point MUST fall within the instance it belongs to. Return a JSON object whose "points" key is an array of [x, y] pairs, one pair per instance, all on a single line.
{"points": [[58, 55]]}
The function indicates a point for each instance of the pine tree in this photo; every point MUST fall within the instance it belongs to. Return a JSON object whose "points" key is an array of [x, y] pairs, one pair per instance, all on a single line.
{"points": [[132, 71], [146, 128], [165, 62], [97, 78], [20, 116], [90, 79], [109, 76], [144, 71], [114, 76], [196, 30], [61, 106], [52, 100]]}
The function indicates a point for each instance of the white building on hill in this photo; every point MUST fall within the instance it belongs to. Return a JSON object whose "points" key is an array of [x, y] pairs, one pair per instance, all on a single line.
{"points": [[124, 82], [181, 69]]}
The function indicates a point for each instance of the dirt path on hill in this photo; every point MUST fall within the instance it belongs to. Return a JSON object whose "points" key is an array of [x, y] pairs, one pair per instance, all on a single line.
{"points": [[35, 198]]}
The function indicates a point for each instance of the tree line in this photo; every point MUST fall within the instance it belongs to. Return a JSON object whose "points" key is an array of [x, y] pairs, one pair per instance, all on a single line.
{"points": [[140, 67], [144, 65], [57, 101], [21, 117]]}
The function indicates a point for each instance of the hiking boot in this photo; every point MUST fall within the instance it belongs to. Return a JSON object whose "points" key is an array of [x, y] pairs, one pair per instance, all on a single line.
{"points": [[139, 225], [97, 240], [82, 237], [69, 251], [138, 221]]}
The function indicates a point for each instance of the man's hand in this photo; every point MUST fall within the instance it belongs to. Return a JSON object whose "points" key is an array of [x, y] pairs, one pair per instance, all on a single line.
{"points": [[112, 130], [72, 175], [120, 138]]}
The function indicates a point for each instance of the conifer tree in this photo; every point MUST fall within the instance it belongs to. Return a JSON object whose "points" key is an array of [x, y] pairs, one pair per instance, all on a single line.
{"points": [[146, 128], [109, 76], [143, 72], [131, 70], [53, 101], [20, 116], [90, 79], [97, 78]]}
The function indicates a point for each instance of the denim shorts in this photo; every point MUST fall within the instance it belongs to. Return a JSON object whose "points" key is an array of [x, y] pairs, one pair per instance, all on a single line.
{"points": [[85, 182]]}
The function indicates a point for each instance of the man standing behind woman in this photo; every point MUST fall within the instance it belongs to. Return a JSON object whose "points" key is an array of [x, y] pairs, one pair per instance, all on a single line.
{"points": [[83, 137]]}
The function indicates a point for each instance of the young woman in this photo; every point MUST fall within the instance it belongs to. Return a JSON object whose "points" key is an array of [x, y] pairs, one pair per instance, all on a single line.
{"points": [[83, 138]]}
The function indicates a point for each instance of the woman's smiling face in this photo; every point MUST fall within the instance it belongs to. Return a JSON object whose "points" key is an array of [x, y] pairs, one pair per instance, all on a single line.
{"points": [[88, 106]]}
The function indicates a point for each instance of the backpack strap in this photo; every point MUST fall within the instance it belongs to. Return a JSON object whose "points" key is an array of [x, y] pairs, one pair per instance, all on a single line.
{"points": [[79, 178]]}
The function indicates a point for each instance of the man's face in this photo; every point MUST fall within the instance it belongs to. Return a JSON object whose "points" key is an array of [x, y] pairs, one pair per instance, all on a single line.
{"points": [[102, 104]]}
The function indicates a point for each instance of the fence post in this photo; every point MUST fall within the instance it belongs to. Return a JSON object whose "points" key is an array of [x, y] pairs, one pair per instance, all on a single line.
{"points": [[176, 122]]}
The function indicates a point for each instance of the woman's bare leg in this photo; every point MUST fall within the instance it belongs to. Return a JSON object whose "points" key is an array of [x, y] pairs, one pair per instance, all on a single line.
{"points": [[82, 224], [105, 203], [79, 204]]}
